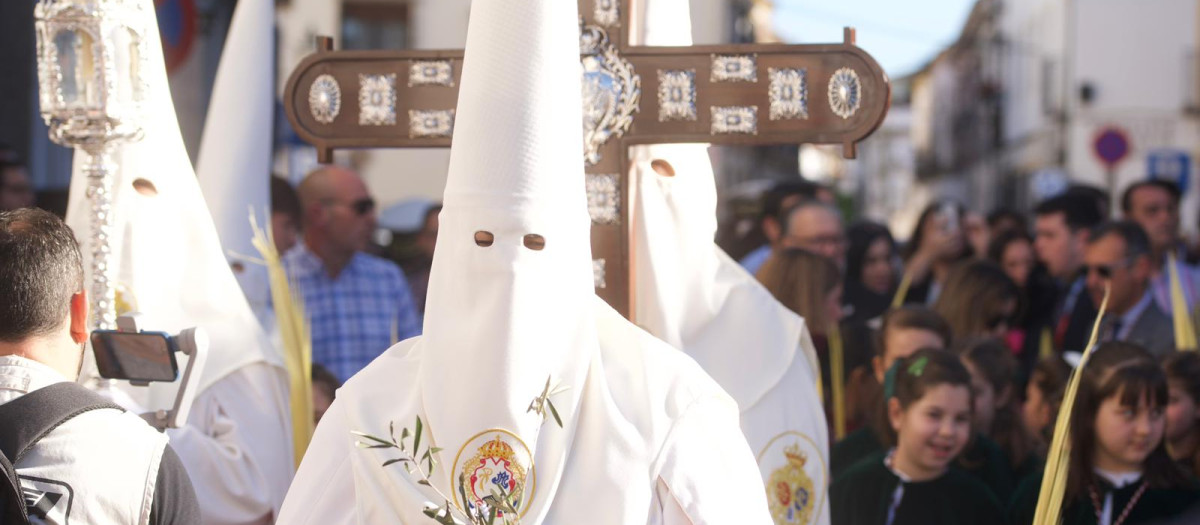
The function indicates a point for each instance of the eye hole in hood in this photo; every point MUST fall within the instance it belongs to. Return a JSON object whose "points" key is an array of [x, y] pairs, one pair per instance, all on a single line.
{"points": [[484, 239], [535, 242], [663, 167]]}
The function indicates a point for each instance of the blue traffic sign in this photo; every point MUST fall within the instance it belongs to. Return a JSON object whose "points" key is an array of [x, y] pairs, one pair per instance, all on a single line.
{"points": [[1170, 165]]}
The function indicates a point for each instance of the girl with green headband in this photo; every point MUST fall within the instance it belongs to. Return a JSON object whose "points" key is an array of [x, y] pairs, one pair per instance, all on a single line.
{"points": [[929, 409]]}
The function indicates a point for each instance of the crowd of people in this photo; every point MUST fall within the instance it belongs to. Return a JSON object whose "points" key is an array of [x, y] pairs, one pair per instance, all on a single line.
{"points": [[957, 347]]}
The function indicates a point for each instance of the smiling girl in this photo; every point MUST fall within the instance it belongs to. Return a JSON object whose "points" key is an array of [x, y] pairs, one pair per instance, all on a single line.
{"points": [[1120, 472], [929, 413]]}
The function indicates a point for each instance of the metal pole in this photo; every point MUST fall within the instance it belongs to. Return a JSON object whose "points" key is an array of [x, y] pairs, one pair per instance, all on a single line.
{"points": [[99, 192], [1111, 173]]}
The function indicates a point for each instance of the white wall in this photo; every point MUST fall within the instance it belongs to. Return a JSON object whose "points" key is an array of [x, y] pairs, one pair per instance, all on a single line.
{"points": [[1133, 53], [1141, 80]]}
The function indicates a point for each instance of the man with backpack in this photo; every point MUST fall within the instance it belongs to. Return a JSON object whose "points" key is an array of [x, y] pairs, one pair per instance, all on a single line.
{"points": [[66, 454]]}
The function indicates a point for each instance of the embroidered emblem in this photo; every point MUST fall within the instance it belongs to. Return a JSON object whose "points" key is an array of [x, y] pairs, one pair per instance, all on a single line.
{"points": [[607, 13], [436, 123], [676, 95], [611, 91], [789, 93], [377, 100], [734, 68], [604, 199], [730, 120], [501, 465], [845, 92], [325, 99], [431, 73], [796, 489]]}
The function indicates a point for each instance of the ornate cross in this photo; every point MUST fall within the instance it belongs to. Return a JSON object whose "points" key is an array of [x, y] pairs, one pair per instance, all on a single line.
{"points": [[730, 94]]}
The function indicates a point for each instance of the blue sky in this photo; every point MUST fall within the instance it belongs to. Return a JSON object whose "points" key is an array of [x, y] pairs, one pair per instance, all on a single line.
{"points": [[901, 34]]}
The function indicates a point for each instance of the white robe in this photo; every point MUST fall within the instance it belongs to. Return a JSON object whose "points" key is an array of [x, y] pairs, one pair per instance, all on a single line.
{"points": [[692, 295], [238, 447], [647, 410], [168, 265], [695, 297]]}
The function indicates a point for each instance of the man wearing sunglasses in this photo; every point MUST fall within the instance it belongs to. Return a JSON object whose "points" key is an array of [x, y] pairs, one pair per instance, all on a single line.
{"points": [[359, 304], [1118, 255]]}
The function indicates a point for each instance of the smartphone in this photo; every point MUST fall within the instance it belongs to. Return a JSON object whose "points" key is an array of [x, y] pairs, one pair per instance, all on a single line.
{"points": [[949, 213], [141, 356]]}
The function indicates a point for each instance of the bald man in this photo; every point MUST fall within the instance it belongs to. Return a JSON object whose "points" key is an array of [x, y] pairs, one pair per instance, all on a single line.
{"points": [[815, 226], [358, 304]]}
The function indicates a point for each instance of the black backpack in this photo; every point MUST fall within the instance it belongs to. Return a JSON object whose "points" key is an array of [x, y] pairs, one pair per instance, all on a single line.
{"points": [[25, 421]]}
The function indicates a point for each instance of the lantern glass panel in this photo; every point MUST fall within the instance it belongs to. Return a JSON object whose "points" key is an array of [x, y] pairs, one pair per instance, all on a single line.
{"points": [[127, 53], [76, 67]]}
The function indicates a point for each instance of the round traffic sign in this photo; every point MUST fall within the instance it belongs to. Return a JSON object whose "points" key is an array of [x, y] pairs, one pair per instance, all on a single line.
{"points": [[1111, 145]]}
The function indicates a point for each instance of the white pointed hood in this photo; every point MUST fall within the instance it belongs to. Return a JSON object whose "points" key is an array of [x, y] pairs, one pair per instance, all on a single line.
{"points": [[689, 292], [169, 262], [694, 296], [234, 163], [503, 318]]}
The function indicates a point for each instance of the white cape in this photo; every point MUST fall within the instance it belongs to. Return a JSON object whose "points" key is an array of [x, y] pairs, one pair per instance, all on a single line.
{"points": [[635, 417]]}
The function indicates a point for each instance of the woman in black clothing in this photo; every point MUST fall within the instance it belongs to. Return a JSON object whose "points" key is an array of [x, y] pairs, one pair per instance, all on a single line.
{"points": [[870, 272], [937, 244]]}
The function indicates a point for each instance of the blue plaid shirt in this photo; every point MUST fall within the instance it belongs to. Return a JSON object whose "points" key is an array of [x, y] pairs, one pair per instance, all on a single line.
{"points": [[356, 316]]}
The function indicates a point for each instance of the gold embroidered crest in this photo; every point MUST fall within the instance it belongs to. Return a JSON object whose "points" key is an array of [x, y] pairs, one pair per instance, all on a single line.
{"points": [[496, 470], [793, 472], [790, 491]]}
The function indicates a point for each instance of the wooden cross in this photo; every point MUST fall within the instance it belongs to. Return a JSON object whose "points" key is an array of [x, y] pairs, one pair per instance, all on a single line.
{"points": [[728, 94]]}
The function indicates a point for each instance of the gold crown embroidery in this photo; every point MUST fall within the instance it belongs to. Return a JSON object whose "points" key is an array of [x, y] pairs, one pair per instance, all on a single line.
{"points": [[790, 490]]}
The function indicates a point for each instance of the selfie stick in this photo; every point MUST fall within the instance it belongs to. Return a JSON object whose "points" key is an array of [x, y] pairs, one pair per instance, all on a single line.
{"points": [[192, 342]]}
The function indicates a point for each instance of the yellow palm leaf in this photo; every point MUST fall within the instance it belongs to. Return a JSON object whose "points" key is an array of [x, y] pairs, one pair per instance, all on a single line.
{"points": [[1058, 458], [837, 365], [1185, 332], [297, 340]]}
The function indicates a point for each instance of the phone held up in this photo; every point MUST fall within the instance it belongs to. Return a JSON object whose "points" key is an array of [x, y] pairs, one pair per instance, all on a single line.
{"points": [[136, 356]]}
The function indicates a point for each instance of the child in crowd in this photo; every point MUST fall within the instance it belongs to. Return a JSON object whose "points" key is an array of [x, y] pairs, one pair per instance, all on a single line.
{"points": [[929, 421], [1119, 471], [1183, 409], [1043, 394], [993, 382], [905, 331]]}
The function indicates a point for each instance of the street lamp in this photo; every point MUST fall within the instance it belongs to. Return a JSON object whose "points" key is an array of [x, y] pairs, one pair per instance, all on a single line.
{"points": [[92, 62]]}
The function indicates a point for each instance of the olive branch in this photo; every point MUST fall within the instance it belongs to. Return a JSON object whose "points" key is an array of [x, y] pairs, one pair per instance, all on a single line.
{"points": [[423, 462]]}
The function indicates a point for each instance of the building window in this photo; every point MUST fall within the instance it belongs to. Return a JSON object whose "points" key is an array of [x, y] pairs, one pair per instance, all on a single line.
{"points": [[374, 25]]}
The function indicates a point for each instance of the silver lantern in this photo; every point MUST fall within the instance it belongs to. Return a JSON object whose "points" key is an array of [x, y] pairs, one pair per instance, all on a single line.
{"points": [[92, 62]]}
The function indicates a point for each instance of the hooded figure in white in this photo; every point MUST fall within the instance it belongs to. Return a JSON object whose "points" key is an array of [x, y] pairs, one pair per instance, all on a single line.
{"points": [[237, 443], [646, 436], [695, 297]]}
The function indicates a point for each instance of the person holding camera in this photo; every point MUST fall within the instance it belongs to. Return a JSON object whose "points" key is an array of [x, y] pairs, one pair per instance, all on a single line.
{"points": [[68, 454]]}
